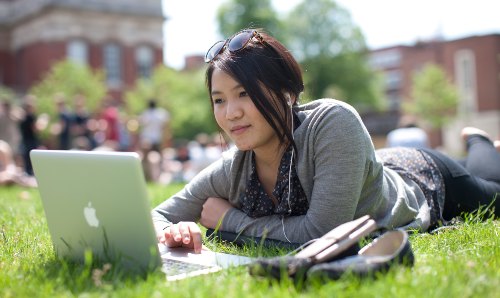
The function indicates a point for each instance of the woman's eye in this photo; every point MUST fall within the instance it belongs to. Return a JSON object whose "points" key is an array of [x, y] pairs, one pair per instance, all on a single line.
{"points": [[217, 101], [243, 94]]}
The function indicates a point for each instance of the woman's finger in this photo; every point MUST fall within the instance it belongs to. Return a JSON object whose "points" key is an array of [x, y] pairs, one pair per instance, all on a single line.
{"points": [[184, 232], [195, 233], [174, 233]]}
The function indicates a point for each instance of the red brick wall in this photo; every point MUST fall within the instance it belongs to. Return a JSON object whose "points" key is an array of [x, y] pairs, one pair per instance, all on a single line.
{"points": [[130, 71], [158, 53], [487, 58], [4, 56], [26, 66], [487, 54], [194, 62], [415, 58], [95, 55]]}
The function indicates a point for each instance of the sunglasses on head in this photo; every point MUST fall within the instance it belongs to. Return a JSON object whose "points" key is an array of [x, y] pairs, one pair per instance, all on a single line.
{"points": [[235, 43]]}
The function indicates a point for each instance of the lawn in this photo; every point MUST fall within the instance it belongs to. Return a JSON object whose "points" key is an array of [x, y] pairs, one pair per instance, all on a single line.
{"points": [[461, 262]]}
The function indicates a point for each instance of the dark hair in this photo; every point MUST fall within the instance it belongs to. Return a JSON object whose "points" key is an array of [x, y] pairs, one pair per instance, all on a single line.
{"points": [[152, 103], [264, 68]]}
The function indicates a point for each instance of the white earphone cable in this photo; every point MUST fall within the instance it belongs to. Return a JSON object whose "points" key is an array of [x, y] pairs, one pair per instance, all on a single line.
{"points": [[289, 179]]}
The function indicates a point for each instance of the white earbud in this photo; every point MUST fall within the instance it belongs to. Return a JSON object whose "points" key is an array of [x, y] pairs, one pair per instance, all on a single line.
{"points": [[289, 99]]}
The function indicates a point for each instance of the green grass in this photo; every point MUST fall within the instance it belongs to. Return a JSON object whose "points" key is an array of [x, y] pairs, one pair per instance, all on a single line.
{"points": [[463, 262]]}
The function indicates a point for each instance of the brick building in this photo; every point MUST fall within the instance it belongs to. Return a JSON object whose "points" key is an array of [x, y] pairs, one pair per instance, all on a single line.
{"points": [[123, 37], [472, 64]]}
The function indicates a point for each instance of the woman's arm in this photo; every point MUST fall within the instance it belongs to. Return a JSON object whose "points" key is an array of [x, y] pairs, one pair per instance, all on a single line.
{"points": [[175, 219], [187, 204]]}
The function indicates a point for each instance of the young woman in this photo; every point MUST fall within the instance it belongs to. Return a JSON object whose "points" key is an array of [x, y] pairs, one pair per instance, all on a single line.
{"points": [[299, 171]]}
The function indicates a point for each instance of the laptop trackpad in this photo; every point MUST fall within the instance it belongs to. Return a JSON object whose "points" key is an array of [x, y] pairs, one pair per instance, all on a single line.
{"points": [[206, 257]]}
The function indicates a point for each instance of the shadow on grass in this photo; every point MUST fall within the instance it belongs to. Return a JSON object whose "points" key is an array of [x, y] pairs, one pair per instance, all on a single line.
{"points": [[91, 275]]}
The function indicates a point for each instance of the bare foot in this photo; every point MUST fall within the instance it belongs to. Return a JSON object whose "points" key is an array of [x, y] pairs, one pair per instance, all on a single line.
{"points": [[468, 131]]}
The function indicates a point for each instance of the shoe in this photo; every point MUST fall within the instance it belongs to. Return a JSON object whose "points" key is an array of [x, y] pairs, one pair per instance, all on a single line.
{"points": [[389, 249], [291, 266], [339, 243]]}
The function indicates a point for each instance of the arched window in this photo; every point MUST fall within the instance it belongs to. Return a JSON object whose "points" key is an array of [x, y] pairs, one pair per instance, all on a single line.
{"points": [[77, 51], [113, 64], [144, 61]]}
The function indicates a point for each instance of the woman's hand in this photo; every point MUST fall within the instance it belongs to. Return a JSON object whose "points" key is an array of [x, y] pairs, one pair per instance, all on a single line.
{"points": [[213, 211], [183, 234]]}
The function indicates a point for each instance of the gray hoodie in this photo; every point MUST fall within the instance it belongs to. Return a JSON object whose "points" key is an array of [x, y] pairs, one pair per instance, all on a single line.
{"points": [[338, 169]]}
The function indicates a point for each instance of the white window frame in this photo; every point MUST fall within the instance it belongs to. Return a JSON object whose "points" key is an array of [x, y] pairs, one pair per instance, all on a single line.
{"points": [[112, 61], [144, 60], [78, 51], [465, 80]]}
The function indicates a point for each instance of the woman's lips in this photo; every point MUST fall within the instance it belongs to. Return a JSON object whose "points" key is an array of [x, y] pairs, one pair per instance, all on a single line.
{"points": [[239, 129]]}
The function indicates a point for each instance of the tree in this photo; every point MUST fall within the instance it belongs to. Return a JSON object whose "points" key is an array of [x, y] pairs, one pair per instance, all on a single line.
{"points": [[434, 97], [332, 52], [183, 94], [67, 79], [321, 35], [6, 94], [239, 14]]}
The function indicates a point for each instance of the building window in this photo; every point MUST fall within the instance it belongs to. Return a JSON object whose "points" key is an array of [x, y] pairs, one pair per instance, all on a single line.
{"points": [[393, 101], [465, 79], [393, 79], [144, 61], [77, 51], [112, 64], [385, 59]]}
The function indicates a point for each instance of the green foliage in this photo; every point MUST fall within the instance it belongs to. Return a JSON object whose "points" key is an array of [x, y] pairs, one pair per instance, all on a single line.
{"points": [[67, 79], [235, 15], [332, 51], [434, 97], [322, 36], [461, 262], [183, 94], [6, 94], [322, 28], [345, 77]]}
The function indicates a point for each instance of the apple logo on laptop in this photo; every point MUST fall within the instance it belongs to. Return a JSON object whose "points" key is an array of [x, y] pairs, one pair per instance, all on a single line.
{"points": [[90, 216]]}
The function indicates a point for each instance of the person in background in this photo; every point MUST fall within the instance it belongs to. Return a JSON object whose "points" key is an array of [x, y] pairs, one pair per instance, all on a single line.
{"points": [[83, 136], [65, 123], [10, 174], [408, 134], [9, 127], [29, 132], [153, 123], [110, 123]]}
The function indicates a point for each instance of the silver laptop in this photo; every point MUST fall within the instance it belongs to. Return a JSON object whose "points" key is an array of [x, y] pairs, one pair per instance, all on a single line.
{"points": [[97, 202]]}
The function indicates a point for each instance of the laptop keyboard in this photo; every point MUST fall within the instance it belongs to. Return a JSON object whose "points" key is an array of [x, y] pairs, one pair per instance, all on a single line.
{"points": [[175, 267]]}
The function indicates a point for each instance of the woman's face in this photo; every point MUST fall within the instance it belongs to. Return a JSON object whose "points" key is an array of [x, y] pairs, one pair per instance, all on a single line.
{"points": [[237, 115]]}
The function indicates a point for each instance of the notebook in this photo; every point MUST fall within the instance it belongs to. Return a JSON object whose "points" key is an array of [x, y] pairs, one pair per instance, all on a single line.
{"points": [[98, 202]]}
